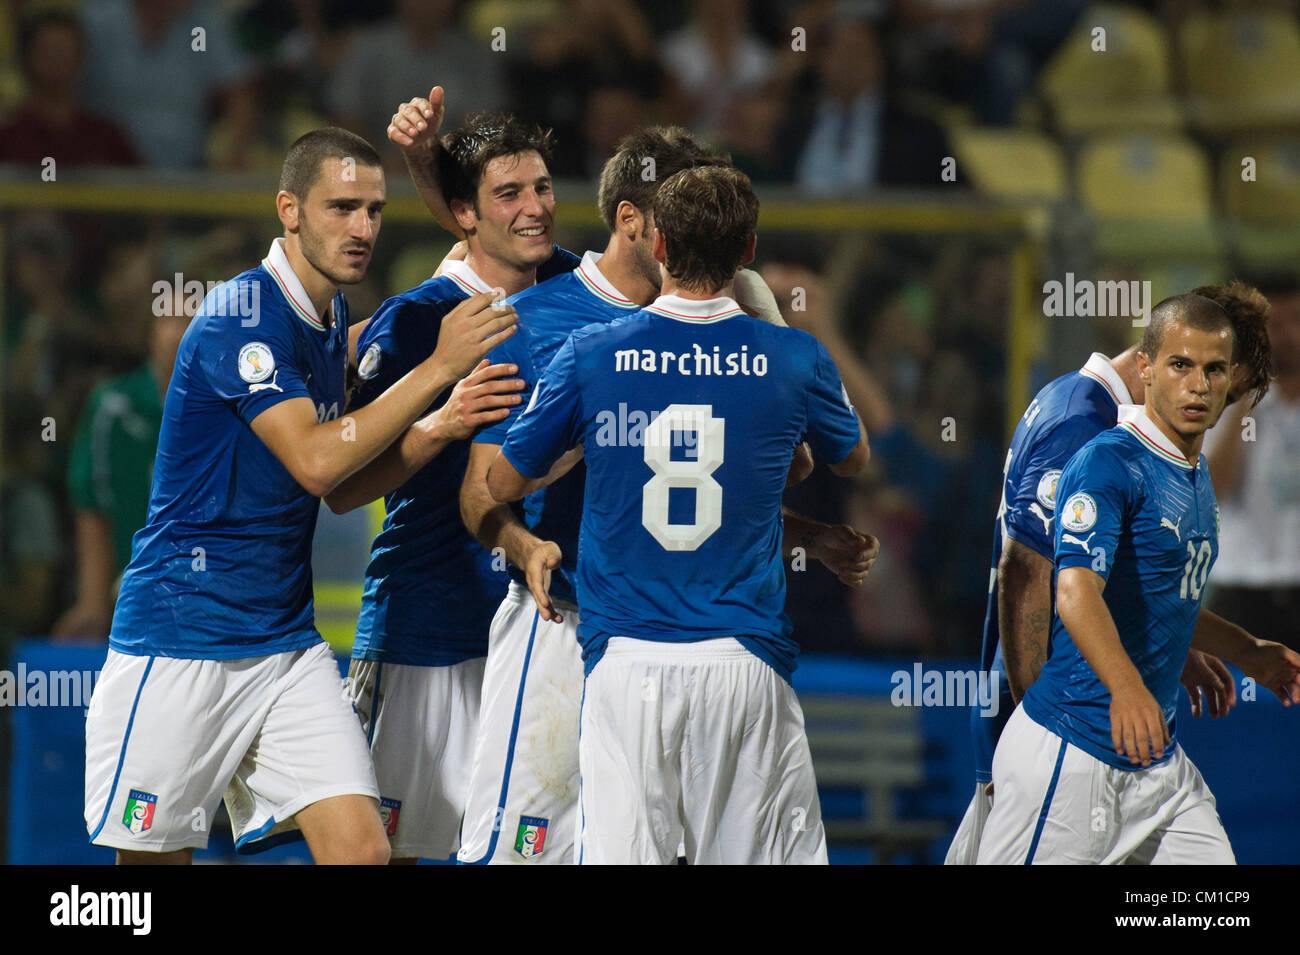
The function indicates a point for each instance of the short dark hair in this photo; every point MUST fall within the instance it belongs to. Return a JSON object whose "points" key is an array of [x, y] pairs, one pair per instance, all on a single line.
{"points": [[1248, 310], [671, 149], [707, 215], [1191, 310], [484, 137], [303, 161]]}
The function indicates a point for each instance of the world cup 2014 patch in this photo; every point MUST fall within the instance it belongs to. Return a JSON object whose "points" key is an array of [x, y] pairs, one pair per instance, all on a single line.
{"points": [[531, 836], [389, 810], [139, 810]]}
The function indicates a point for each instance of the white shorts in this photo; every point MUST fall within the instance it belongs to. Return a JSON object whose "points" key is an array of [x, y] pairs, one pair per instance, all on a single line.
{"points": [[1055, 803], [523, 793], [966, 843], [696, 742], [166, 737], [421, 722]]}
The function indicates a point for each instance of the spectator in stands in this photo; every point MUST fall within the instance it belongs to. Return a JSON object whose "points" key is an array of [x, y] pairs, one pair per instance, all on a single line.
{"points": [[589, 73], [415, 50], [853, 137], [31, 548], [52, 119], [988, 52], [111, 473], [713, 60], [1255, 464], [156, 67]]}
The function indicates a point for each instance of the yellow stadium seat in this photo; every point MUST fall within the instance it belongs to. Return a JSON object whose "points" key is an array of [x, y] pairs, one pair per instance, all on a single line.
{"points": [[1011, 164], [1123, 86], [1242, 69], [1150, 195], [1263, 212]]}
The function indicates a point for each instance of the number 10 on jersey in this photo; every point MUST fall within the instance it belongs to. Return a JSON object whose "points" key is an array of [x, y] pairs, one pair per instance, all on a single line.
{"points": [[695, 473]]}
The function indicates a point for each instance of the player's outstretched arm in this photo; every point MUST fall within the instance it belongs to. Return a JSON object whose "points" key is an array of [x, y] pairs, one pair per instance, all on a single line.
{"points": [[1204, 675], [1024, 613], [1137, 724], [414, 128], [321, 455], [1268, 663], [495, 525], [846, 553], [481, 398]]}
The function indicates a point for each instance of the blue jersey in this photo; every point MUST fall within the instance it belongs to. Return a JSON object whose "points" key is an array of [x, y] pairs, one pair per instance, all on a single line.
{"points": [[548, 314], [431, 589], [1134, 510], [689, 413], [222, 567], [1063, 417]]}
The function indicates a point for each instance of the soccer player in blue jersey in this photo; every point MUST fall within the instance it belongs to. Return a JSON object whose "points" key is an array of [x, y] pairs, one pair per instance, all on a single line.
{"points": [[217, 680], [525, 778], [1066, 414], [690, 731], [1088, 769], [430, 590]]}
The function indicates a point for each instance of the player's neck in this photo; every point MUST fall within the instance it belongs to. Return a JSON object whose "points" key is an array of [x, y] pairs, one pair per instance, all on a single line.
{"points": [[670, 287], [318, 286], [1126, 366], [1189, 449], [619, 267], [498, 274]]}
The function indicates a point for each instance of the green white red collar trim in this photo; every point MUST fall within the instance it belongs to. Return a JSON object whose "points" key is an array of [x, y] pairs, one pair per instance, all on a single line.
{"points": [[596, 283], [277, 266], [1099, 368], [695, 311], [1134, 420], [465, 277]]}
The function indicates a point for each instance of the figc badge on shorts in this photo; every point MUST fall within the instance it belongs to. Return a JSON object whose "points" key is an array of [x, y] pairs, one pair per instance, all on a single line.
{"points": [[531, 836], [139, 811]]}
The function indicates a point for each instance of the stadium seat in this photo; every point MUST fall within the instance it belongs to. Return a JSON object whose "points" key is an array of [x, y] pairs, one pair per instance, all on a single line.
{"points": [[1242, 70], [1011, 164], [1262, 215], [875, 751], [1126, 86], [1149, 196]]}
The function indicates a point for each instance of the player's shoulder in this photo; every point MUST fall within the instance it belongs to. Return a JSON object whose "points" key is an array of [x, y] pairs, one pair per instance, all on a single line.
{"points": [[428, 301], [544, 291], [440, 291], [251, 302], [1109, 453]]}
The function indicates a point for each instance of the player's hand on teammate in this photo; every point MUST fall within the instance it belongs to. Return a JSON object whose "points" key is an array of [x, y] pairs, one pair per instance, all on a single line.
{"points": [[1275, 666], [543, 557], [1205, 676], [471, 330], [794, 285], [846, 553], [1137, 724], [484, 396], [415, 125], [457, 253]]}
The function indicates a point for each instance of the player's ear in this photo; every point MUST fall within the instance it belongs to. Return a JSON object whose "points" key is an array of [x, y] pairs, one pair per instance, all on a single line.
{"points": [[660, 248], [750, 246], [629, 221], [464, 214], [286, 206]]}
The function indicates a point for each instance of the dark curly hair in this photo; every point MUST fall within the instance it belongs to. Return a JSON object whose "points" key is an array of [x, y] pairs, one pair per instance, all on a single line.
{"points": [[484, 137], [1248, 309]]}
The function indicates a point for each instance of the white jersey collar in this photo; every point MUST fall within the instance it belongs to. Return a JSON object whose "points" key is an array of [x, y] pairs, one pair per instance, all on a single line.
{"points": [[460, 273], [695, 311], [1099, 368], [277, 264], [1135, 420], [596, 283]]}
